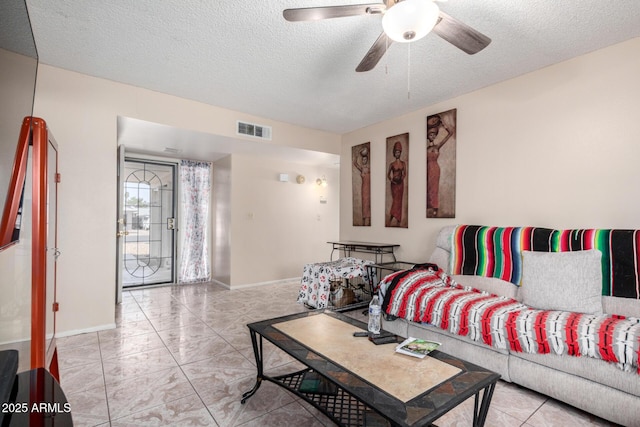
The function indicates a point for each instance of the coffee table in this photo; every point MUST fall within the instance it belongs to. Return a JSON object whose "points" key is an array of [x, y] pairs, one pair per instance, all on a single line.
{"points": [[368, 384]]}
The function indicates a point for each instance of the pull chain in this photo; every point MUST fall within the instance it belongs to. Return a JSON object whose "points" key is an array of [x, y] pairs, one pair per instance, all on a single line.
{"points": [[386, 56], [408, 70]]}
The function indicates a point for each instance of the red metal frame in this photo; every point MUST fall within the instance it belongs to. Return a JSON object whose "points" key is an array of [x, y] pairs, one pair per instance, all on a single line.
{"points": [[39, 141]]}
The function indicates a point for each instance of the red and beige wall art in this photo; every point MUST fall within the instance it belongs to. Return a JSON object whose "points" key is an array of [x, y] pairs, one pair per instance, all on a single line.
{"points": [[397, 188], [361, 184], [441, 165]]}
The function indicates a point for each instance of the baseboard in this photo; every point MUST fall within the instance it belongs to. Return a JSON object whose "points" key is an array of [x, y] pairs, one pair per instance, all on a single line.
{"points": [[224, 285], [85, 331], [271, 282]]}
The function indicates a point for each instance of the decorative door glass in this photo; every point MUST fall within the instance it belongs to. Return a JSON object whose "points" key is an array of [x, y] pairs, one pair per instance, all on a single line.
{"points": [[149, 219]]}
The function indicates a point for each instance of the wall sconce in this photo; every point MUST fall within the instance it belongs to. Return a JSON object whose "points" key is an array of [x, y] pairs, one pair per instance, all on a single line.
{"points": [[322, 182], [300, 179]]}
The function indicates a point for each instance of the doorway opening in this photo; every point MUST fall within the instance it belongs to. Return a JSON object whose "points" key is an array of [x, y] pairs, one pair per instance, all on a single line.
{"points": [[148, 220]]}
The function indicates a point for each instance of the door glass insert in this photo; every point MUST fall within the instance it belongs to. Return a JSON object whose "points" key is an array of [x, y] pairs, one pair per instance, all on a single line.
{"points": [[149, 207]]}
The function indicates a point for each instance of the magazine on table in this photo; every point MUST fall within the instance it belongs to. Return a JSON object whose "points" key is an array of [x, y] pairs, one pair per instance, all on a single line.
{"points": [[417, 347]]}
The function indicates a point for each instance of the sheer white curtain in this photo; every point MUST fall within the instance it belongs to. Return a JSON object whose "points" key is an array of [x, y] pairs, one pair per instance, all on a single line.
{"points": [[195, 186]]}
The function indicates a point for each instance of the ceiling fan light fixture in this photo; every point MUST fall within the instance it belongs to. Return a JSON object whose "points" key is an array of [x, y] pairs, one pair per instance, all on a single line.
{"points": [[410, 20]]}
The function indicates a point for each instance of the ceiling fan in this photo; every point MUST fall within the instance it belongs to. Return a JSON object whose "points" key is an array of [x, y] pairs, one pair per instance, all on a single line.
{"points": [[402, 21]]}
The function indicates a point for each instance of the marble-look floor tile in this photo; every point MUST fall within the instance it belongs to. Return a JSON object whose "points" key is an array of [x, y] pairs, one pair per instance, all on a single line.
{"points": [[224, 401], [147, 391], [130, 316], [172, 310], [199, 349], [76, 356], [181, 320], [462, 415], [516, 401], [128, 305], [127, 345], [127, 329], [77, 340], [184, 334], [138, 364], [237, 333], [78, 378], [158, 302], [89, 407], [208, 373], [292, 414], [555, 414], [186, 412]]}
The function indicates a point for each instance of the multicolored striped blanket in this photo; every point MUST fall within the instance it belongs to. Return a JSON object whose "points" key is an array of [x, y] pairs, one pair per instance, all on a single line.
{"points": [[427, 295], [497, 252]]}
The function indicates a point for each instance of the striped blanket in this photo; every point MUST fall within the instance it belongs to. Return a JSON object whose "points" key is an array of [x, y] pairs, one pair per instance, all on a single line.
{"points": [[497, 252], [426, 295]]}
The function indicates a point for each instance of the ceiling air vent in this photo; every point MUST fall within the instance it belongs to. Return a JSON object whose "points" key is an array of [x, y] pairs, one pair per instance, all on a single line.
{"points": [[250, 129]]}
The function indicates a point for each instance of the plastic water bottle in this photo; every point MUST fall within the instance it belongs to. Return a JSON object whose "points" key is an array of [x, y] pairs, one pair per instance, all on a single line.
{"points": [[374, 315]]}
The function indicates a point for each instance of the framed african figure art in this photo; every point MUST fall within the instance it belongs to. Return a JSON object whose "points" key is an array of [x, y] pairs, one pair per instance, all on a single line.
{"points": [[441, 165], [397, 188], [361, 184]]}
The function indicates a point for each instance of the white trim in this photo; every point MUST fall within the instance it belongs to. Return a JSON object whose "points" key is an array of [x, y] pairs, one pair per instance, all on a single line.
{"points": [[85, 331], [270, 282], [14, 341]]}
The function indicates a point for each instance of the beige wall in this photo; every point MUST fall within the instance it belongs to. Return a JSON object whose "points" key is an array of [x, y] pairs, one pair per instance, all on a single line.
{"points": [[274, 221], [221, 216], [15, 278], [557, 147], [82, 113]]}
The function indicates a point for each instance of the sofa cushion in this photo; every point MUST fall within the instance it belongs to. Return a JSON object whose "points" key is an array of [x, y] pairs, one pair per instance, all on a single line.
{"points": [[440, 257], [627, 307], [565, 281], [488, 284]]}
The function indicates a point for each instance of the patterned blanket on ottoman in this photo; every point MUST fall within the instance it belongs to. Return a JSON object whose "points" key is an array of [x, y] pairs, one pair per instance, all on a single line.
{"points": [[315, 286]]}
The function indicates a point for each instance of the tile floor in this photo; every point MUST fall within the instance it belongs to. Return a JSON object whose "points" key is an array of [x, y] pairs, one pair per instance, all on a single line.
{"points": [[182, 356]]}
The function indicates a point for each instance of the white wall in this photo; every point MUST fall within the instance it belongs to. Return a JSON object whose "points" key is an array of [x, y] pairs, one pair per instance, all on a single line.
{"points": [[274, 221], [558, 147], [82, 112]]}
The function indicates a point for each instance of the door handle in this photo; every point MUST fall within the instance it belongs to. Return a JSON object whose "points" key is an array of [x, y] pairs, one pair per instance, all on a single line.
{"points": [[122, 233]]}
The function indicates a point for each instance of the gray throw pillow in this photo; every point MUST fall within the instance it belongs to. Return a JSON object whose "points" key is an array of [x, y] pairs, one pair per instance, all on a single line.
{"points": [[565, 281]]}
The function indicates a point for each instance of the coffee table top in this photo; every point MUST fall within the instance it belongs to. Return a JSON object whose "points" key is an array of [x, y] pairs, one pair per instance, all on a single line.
{"points": [[407, 390]]}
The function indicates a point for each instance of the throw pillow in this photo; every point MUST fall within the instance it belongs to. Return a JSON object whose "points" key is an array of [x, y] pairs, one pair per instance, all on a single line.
{"points": [[565, 281]]}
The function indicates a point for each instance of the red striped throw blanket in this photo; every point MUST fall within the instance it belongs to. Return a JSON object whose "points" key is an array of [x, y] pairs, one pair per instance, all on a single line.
{"points": [[428, 295]]}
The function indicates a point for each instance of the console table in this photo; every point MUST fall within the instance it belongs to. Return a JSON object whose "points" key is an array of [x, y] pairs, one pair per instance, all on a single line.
{"points": [[379, 249]]}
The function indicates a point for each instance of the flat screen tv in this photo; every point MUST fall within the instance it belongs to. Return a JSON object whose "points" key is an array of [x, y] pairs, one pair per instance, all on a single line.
{"points": [[18, 70]]}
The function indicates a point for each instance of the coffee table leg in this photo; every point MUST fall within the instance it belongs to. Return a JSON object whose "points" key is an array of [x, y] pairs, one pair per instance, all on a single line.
{"points": [[257, 352], [480, 416]]}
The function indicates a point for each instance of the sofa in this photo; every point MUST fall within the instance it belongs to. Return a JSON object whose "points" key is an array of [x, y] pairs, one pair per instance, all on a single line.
{"points": [[538, 274]]}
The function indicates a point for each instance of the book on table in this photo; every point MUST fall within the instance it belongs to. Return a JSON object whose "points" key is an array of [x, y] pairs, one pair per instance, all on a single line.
{"points": [[416, 347]]}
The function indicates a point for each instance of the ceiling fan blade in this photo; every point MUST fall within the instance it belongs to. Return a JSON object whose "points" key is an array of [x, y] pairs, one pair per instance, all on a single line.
{"points": [[328, 12], [460, 34], [375, 53]]}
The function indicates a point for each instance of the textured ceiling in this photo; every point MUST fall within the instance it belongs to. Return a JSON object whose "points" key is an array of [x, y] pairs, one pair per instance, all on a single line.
{"points": [[242, 55]]}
